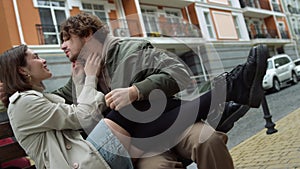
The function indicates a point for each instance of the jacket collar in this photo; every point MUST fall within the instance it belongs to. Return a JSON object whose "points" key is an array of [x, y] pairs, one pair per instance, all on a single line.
{"points": [[17, 95]]}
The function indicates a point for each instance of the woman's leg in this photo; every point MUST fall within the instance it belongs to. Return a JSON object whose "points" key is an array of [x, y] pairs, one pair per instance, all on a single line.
{"points": [[109, 146]]}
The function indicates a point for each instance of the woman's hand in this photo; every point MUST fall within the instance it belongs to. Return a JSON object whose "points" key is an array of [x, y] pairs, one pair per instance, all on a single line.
{"points": [[119, 98], [92, 65], [78, 71]]}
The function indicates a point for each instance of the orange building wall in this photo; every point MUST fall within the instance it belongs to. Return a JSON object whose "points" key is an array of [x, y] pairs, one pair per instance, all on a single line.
{"points": [[264, 4], [132, 18], [9, 31], [193, 15], [74, 11], [184, 14], [271, 25], [114, 22], [29, 17]]}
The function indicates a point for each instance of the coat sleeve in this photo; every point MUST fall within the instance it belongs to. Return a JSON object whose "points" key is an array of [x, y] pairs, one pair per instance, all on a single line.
{"points": [[161, 71], [35, 113], [66, 92]]}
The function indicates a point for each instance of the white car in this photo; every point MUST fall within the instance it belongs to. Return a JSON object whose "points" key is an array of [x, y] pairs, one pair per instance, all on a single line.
{"points": [[297, 63], [280, 70]]}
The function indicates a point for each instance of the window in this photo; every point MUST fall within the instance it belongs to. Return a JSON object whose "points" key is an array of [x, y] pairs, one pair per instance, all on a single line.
{"points": [[174, 19], [52, 14], [237, 27], [209, 25], [149, 17], [257, 28], [95, 9]]}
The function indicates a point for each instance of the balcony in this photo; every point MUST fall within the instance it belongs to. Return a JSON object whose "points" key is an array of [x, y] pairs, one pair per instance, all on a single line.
{"points": [[263, 34], [256, 8], [258, 4], [49, 34], [293, 10], [268, 34], [180, 29]]}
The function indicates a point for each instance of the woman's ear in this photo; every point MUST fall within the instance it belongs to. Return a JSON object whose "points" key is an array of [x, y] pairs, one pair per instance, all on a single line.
{"points": [[23, 71]]}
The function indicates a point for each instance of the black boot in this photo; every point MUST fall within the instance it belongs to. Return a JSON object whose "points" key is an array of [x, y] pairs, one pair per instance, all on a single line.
{"points": [[232, 113], [244, 82]]}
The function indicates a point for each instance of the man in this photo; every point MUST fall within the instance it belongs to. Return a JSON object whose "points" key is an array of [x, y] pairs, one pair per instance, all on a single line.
{"points": [[200, 143]]}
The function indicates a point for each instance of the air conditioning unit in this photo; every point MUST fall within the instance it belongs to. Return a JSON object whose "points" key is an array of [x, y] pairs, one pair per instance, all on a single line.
{"points": [[121, 32]]}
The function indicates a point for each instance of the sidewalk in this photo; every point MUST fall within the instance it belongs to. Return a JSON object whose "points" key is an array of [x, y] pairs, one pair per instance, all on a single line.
{"points": [[280, 150]]}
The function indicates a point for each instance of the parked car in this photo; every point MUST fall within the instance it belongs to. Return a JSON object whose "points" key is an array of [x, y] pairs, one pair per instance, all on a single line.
{"points": [[281, 70], [297, 64]]}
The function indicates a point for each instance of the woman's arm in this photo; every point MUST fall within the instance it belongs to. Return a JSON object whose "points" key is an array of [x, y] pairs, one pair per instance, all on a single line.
{"points": [[38, 111]]}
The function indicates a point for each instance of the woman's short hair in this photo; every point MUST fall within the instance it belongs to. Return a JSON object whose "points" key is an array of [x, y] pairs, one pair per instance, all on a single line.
{"points": [[10, 61], [83, 25]]}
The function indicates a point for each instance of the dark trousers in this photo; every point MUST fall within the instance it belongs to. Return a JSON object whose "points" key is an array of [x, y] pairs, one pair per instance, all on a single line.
{"points": [[169, 118]]}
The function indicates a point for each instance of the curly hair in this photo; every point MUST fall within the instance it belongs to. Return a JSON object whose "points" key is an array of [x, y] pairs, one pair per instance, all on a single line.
{"points": [[82, 25]]}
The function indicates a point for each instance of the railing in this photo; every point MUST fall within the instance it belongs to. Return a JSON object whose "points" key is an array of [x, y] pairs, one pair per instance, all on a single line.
{"points": [[263, 33], [267, 34], [168, 29], [284, 34], [49, 34], [255, 4]]}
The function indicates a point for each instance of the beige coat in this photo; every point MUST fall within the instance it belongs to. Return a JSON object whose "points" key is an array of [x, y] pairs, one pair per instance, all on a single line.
{"points": [[46, 127]]}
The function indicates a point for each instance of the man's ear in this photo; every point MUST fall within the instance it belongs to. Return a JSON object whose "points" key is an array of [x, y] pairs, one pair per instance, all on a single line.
{"points": [[87, 38], [23, 71]]}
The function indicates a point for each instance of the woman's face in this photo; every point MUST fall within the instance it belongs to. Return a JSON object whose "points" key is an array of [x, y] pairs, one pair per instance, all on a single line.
{"points": [[36, 68]]}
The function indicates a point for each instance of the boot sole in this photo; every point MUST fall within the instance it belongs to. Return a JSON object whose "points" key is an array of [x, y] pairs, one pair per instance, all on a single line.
{"points": [[235, 116], [256, 90]]}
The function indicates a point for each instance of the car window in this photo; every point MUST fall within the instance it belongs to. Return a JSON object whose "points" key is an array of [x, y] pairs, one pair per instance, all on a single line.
{"points": [[278, 61], [270, 65], [285, 60], [297, 63]]}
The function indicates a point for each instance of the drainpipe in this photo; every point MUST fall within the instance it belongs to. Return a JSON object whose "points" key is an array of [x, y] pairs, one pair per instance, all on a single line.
{"points": [[18, 21], [141, 20]]}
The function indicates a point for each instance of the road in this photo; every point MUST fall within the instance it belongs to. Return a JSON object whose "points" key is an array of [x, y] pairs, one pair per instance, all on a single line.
{"points": [[280, 104]]}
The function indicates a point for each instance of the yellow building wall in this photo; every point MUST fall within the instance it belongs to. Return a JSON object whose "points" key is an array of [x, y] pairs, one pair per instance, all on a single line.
{"points": [[9, 31]]}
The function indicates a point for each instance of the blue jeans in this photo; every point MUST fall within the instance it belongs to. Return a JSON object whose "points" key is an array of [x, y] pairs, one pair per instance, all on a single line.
{"points": [[109, 147]]}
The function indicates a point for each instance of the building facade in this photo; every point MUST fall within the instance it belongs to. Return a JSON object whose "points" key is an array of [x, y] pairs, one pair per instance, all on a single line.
{"points": [[207, 34]]}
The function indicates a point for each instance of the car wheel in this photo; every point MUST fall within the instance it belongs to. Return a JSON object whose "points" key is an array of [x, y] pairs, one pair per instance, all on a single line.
{"points": [[294, 78], [276, 85]]}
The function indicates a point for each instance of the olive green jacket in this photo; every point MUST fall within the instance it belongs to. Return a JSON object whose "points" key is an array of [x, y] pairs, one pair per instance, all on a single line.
{"points": [[137, 62]]}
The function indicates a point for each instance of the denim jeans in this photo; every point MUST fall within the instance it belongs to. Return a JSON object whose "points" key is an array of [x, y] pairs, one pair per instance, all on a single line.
{"points": [[109, 147]]}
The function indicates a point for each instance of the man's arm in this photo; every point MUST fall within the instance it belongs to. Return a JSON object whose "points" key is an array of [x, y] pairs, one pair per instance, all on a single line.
{"points": [[66, 92]]}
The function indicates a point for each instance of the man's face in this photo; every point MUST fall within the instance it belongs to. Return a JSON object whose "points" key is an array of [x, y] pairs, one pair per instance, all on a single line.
{"points": [[73, 46]]}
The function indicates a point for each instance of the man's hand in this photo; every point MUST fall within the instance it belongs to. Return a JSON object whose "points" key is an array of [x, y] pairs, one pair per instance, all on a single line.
{"points": [[118, 98]]}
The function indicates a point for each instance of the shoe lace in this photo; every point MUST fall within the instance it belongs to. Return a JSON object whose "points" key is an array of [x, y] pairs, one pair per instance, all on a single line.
{"points": [[233, 74]]}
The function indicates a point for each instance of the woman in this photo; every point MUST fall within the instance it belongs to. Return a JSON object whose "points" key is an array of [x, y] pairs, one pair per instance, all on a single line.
{"points": [[47, 128]]}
